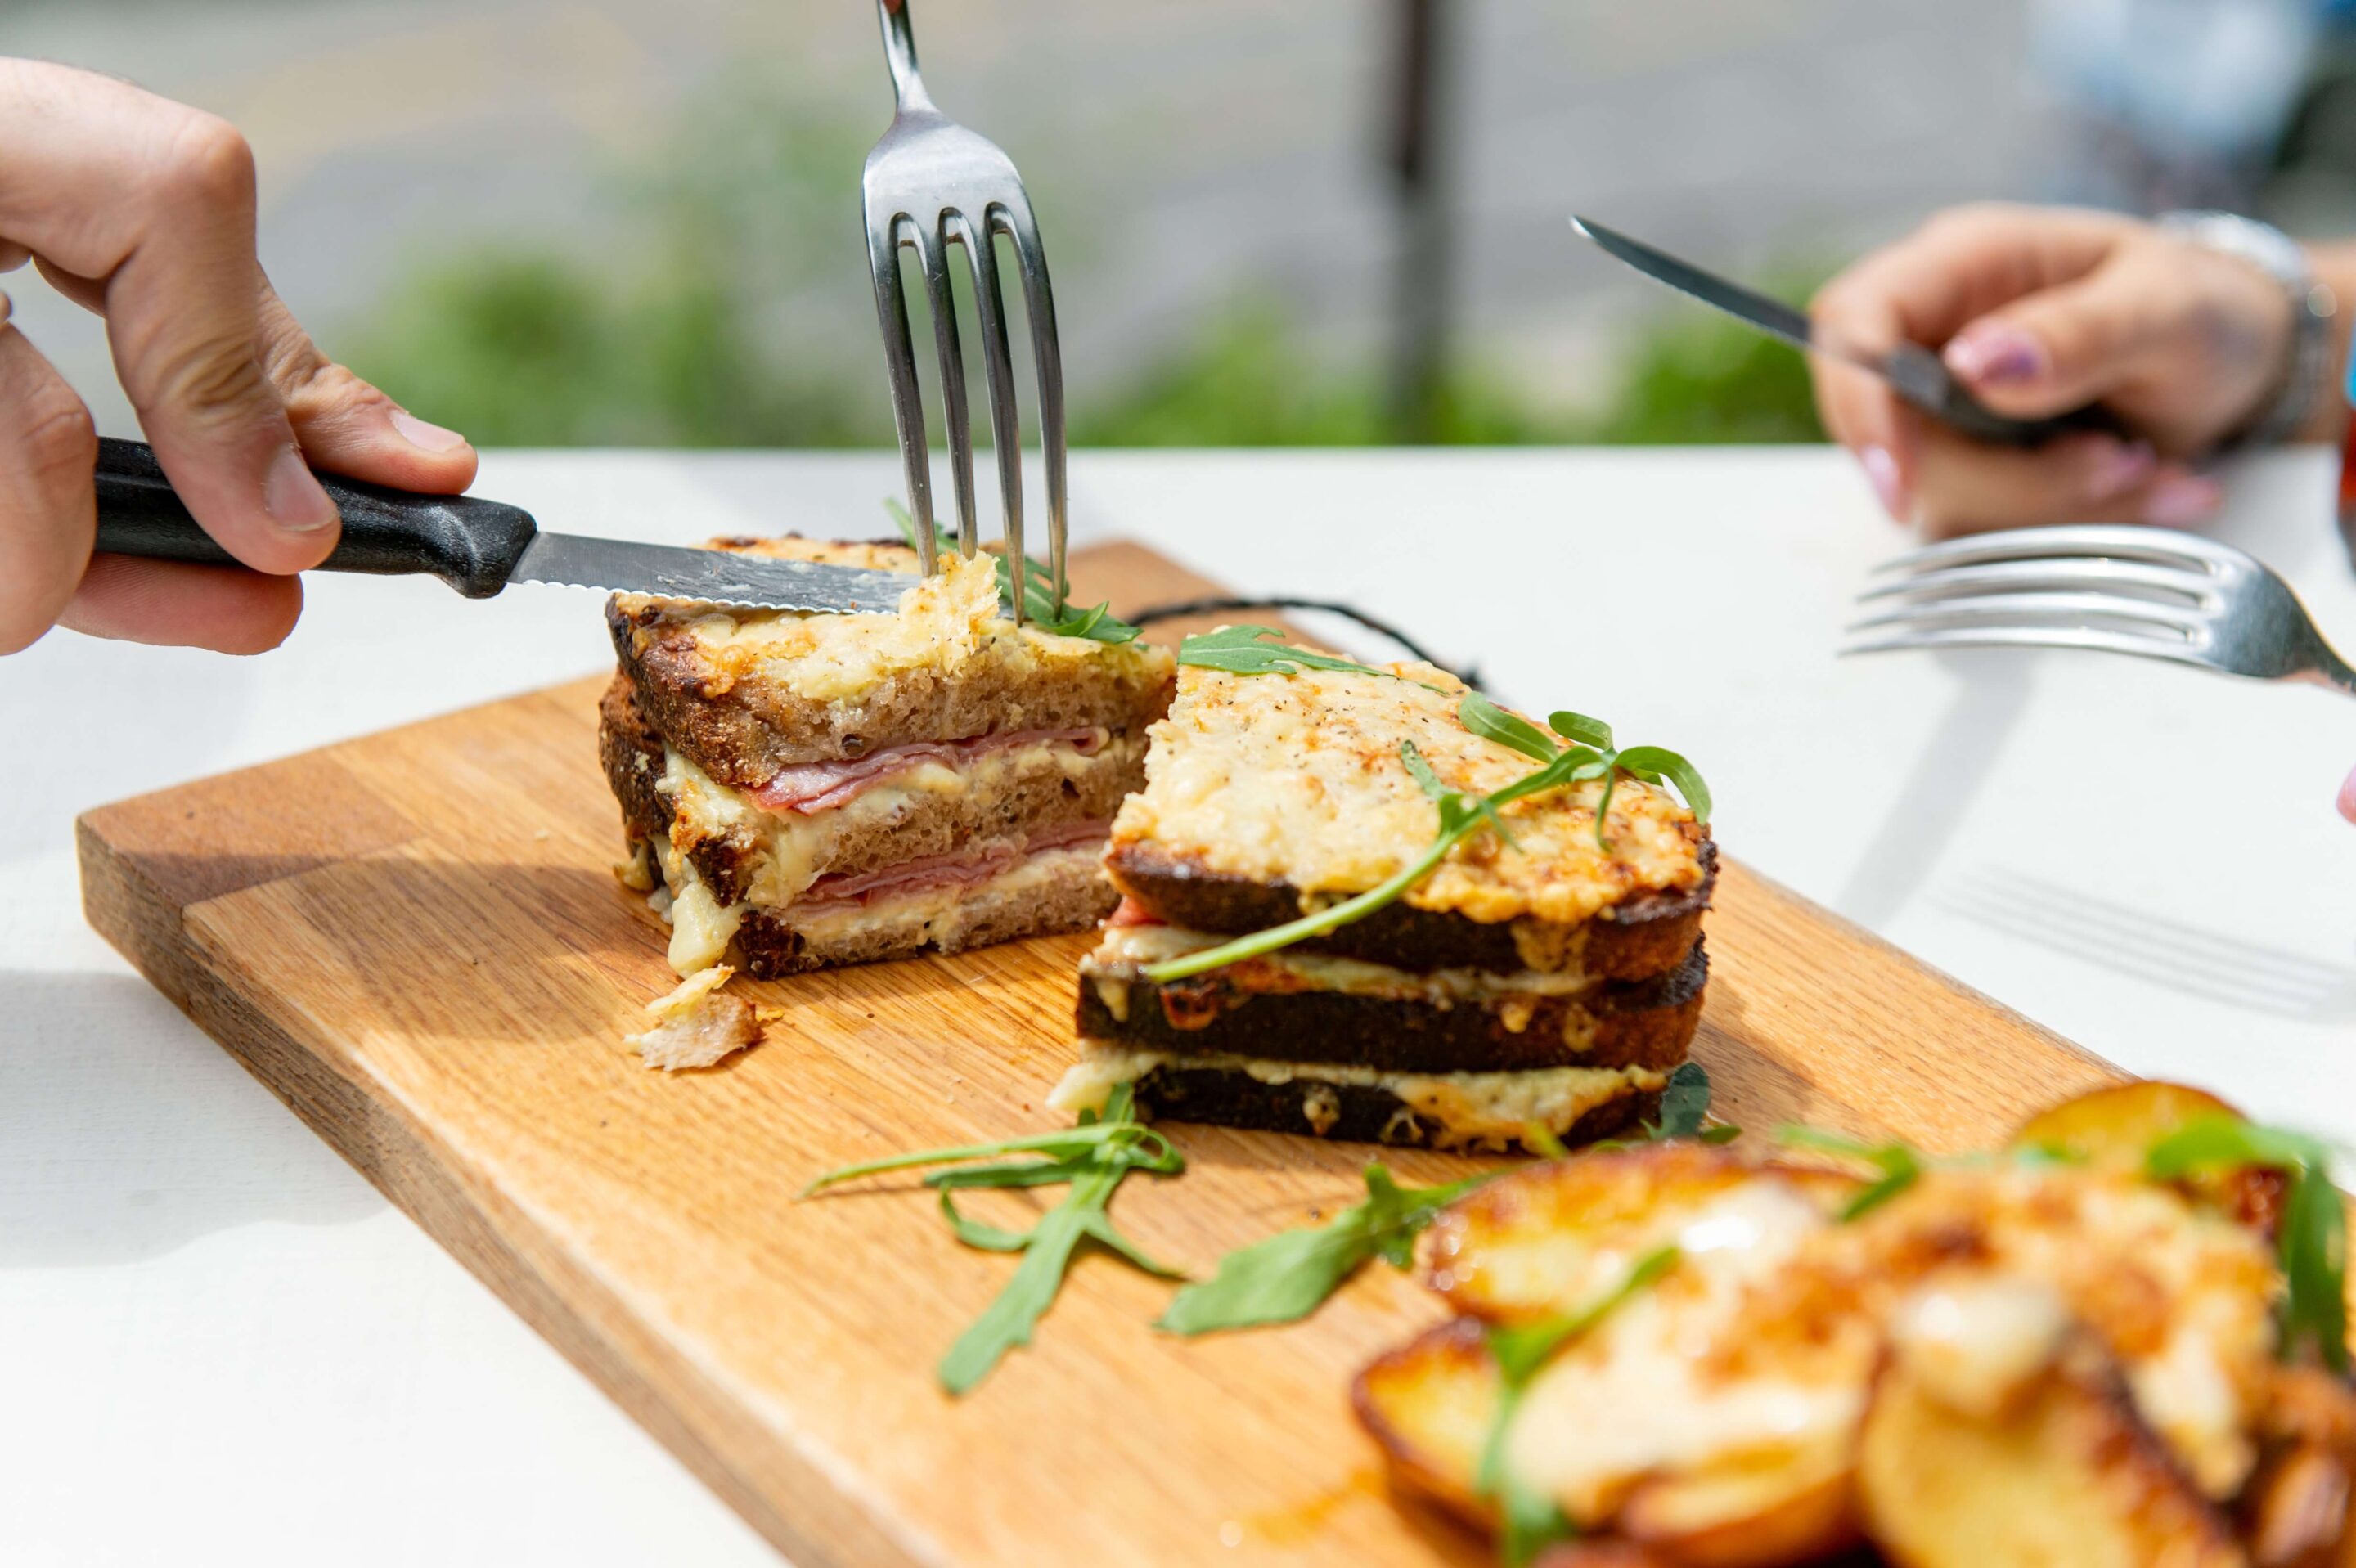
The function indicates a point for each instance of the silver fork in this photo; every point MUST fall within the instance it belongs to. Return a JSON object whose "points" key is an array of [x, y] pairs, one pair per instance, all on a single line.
{"points": [[2143, 590], [930, 184]]}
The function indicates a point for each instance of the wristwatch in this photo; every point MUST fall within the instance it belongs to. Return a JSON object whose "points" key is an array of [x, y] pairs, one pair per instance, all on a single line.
{"points": [[2313, 310]]}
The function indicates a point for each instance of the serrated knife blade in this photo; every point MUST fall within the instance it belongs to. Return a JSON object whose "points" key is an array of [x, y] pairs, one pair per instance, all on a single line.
{"points": [[708, 576]]}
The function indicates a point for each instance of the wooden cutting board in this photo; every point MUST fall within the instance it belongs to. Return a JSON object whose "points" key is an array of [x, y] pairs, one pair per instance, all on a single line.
{"points": [[416, 942]]}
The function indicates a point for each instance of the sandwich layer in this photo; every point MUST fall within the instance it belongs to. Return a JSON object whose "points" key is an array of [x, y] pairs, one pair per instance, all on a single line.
{"points": [[1363, 1104], [945, 800], [1310, 1006], [1295, 785], [1644, 934], [747, 695]]}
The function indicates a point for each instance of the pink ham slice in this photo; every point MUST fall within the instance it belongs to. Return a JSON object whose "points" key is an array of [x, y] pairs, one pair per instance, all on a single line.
{"points": [[809, 788], [971, 865]]}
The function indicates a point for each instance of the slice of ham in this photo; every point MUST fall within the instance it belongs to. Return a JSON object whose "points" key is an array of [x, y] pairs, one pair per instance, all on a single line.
{"points": [[962, 868], [809, 788], [1129, 911]]}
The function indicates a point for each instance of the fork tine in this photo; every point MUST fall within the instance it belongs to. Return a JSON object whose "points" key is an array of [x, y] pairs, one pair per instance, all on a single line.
{"points": [[900, 368], [2048, 572], [1005, 415], [932, 250], [1046, 352], [2081, 637], [2041, 609], [2164, 546]]}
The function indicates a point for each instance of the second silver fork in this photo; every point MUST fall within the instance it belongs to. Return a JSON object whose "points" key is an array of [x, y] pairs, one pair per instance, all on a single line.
{"points": [[2149, 591], [930, 184]]}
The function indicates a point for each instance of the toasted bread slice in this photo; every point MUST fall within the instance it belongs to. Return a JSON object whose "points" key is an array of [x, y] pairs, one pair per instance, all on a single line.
{"points": [[1267, 796], [1362, 1105], [1317, 1007], [745, 694]]}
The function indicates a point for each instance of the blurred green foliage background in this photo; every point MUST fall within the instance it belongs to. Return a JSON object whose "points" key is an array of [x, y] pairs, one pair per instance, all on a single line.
{"points": [[698, 325]]}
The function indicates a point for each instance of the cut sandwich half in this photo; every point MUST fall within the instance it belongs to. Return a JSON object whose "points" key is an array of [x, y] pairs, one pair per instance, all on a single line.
{"points": [[1546, 972], [802, 790]]}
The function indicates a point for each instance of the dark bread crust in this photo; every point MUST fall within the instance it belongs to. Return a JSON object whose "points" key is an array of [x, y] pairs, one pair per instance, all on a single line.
{"points": [[1362, 1114], [743, 733], [1645, 1023], [1642, 936], [1012, 807]]}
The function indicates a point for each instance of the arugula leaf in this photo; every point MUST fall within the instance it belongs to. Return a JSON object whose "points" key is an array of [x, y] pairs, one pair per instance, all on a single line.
{"points": [[1092, 1157], [1043, 596], [1901, 1167], [1685, 1103], [1490, 722], [1579, 726], [1658, 764], [2311, 1239], [1246, 650], [1529, 1520], [1289, 1276]]}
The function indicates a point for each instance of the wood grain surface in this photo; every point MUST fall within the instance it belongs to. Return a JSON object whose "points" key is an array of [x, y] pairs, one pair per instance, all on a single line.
{"points": [[415, 940]]}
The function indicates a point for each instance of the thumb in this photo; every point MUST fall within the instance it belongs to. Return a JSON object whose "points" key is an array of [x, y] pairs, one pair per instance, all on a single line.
{"points": [[2063, 347]]}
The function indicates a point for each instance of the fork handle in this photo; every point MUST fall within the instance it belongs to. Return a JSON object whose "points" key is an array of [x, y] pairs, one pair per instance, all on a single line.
{"points": [[900, 54]]}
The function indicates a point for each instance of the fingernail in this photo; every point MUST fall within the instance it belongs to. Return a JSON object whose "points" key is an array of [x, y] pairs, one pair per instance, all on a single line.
{"points": [[2121, 466], [1881, 472], [2347, 797], [2177, 499], [422, 436], [292, 497], [1995, 353]]}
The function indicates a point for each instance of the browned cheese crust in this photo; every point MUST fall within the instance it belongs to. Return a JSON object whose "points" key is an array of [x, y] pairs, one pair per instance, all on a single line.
{"points": [[1647, 1023], [743, 729], [1640, 937], [1350, 1113]]}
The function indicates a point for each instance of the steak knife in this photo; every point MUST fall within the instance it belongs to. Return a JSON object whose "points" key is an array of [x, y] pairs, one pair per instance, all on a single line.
{"points": [[1915, 373], [479, 547]]}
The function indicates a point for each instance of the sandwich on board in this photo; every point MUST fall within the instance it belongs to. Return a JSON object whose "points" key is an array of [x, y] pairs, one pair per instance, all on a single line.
{"points": [[803, 790], [1541, 978]]}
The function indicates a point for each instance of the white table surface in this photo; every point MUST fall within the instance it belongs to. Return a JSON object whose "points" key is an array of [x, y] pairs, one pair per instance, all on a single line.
{"points": [[221, 1342]]}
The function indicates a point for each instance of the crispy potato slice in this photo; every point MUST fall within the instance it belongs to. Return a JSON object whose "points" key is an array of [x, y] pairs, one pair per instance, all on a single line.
{"points": [[1428, 1405], [1553, 1237], [2297, 1511], [2068, 1478], [1763, 1510], [2113, 1129]]}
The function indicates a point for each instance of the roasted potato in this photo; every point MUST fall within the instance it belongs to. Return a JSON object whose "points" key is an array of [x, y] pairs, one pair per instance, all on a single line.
{"points": [[2295, 1512], [2113, 1128], [1428, 1405], [2066, 1477], [1758, 1510], [1553, 1237]]}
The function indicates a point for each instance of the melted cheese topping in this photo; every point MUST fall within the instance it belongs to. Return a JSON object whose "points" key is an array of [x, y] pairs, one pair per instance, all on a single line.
{"points": [[1298, 779], [791, 850], [1471, 1109], [944, 622], [1634, 1396]]}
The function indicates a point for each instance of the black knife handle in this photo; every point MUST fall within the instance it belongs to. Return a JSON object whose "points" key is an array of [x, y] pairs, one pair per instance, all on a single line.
{"points": [[471, 544], [1922, 379]]}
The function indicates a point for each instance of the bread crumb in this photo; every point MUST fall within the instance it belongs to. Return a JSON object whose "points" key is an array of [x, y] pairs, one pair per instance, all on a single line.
{"points": [[695, 1026]]}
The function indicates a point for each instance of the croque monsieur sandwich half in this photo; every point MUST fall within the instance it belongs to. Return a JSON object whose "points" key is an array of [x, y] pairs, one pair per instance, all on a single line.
{"points": [[1535, 978], [802, 790]]}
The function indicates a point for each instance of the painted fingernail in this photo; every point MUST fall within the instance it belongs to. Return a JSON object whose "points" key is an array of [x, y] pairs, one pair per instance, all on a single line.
{"points": [[422, 436], [2177, 499], [1994, 353], [1881, 472], [2347, 797], [2122, 465], [292, 497]]}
